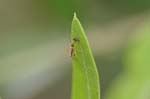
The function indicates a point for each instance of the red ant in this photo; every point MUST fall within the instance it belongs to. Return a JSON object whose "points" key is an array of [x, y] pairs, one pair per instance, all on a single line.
{"points": [[72, 47], [71, 50]]}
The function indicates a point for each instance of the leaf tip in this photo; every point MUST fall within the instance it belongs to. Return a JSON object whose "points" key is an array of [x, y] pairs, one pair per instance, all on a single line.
{"points": [[75, 16]]}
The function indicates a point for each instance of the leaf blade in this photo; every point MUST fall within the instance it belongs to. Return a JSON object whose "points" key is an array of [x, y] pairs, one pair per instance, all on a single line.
{"points": [[85, 74]]}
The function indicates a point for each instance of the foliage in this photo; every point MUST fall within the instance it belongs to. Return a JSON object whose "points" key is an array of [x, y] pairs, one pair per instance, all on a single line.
{"points": [[85, 74], [134, 83]]}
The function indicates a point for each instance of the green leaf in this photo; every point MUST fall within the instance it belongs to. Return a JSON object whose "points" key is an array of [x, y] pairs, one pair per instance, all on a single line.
{"points": [[138, 56], [85, 74], [134, 82]]}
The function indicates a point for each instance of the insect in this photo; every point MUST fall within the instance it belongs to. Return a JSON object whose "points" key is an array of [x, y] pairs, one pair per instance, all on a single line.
{"points": [[76, 39], [72, 47], [71, 50]]}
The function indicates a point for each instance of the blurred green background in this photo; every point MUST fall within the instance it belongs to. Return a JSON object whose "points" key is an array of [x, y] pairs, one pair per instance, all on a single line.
{"points": [[35, 38]]}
